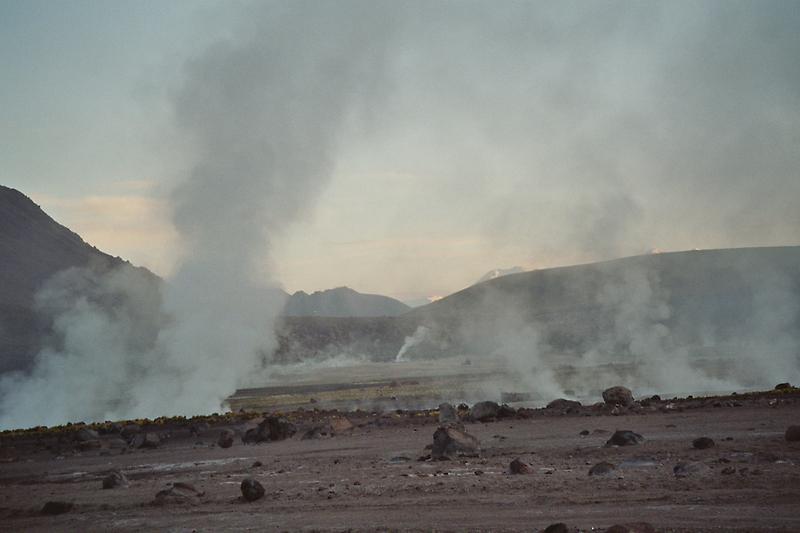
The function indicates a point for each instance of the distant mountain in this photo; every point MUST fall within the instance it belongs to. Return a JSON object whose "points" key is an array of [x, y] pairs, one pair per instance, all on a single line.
{"points": [[33, 247], [701, 298], [499, 273], [342, 302]]}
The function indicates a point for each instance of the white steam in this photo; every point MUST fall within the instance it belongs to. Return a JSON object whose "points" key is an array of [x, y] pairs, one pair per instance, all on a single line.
{"points": [[261, 117], [418, 337]]}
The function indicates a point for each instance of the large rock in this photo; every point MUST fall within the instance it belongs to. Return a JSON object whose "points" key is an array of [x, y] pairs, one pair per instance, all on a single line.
{"points": [[115, 479], [252, 490], [624, 438], [449, 443], [179, 493], [618, 396], [272, 428], [562, 404], [560, 527], [483, 411], [793, 434]]}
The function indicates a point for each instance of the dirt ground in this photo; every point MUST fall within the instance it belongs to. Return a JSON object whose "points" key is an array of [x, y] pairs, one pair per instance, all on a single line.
{"points": [[370, 477]]}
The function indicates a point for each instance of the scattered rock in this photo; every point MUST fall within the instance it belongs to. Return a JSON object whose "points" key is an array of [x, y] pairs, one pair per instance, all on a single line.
{"points": [[179, 493], [225, 439], [519, 467], [602, 469], [449, 443], [618, 396], [115, 479], [560, 527], [252, 490], [483, 411], [447, 414], [272, 428], [624, 438], [728, 470], [257, 464], [793, 434], [562, 404], [584, 433], [684, 469], [632, 527], [703, 443]]}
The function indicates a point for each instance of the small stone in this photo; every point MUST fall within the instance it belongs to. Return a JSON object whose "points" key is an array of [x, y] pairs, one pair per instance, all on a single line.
{"points": [[115, 479], [793, 434], [602, 469], [684, 469], [624, 438], [257, 464], [703, 443], [519, 467], [252, 490], [57, 507], [584, 433]]}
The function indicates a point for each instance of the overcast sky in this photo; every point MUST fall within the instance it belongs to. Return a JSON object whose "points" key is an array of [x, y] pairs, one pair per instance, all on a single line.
{"points": [[496, 134]]}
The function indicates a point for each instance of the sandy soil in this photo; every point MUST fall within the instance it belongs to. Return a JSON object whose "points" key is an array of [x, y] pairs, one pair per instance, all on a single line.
{"points": [[370, 478]]}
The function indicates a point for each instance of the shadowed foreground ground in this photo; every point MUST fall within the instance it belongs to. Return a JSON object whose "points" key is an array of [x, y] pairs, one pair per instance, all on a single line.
{"points": [[369, 478]]}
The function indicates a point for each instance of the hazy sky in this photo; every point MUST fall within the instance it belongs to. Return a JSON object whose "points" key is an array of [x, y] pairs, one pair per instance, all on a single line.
{"points": [[496, 134]]}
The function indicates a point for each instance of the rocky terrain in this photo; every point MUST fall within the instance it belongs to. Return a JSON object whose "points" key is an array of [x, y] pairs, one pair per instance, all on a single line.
{"points": [[716, 464]]}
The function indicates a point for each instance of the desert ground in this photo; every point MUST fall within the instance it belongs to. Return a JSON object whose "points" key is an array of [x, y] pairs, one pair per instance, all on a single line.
{"points": [[371, 470]]}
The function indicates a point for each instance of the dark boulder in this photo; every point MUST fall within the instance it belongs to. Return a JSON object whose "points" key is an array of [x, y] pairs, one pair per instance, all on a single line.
{"points": [[519, 467], [484, 411], [449, 443], [272, 428], [560, 527], [562, 404], [793, 434], [624, 438], [703, 443], [618, 396], [252, 490], [783, 386], [57, 507]]}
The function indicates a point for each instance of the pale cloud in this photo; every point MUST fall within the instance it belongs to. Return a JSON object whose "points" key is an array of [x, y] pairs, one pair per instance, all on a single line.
{"points": [[134, 227]]}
